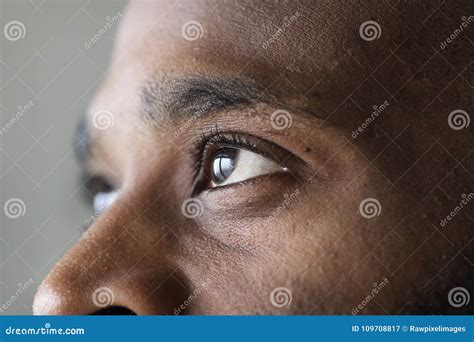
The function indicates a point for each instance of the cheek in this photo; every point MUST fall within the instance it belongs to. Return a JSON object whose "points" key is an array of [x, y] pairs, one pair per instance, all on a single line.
{"points": [[251, 216]]}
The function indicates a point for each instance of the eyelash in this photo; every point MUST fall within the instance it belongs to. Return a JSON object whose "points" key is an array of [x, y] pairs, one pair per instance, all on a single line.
{"points": [[214, 137], [209, 139], [93, 185]]}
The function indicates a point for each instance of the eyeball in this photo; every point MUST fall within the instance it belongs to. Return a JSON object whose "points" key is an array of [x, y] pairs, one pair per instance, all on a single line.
{"points": [[233, 165], [103, 200]]}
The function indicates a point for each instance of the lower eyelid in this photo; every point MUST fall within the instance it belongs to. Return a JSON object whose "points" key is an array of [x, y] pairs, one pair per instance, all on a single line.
{"points": [[251, 187]]}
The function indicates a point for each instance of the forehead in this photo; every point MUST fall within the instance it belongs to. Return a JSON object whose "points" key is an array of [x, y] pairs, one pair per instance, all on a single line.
{"points": [[224, 27], [237, 35], [286, 45], [310, 51]]}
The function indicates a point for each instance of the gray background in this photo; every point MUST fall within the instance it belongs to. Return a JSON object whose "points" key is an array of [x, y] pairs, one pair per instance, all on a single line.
{"points": [[52, 68]]}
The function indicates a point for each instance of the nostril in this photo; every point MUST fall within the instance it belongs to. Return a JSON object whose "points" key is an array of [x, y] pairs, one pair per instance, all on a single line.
{"points": [[114, 311]]}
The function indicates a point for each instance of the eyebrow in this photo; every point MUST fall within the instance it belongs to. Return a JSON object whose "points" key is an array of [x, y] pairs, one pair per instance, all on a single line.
{"points": [[191, 95], [175, 98], [166, 97]]}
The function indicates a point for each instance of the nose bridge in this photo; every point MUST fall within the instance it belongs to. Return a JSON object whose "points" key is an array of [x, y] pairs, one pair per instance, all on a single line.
{"points": [[120, 261]]}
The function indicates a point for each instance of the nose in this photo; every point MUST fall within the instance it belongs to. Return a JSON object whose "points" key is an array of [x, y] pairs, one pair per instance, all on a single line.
{"points": [[119, 266]]}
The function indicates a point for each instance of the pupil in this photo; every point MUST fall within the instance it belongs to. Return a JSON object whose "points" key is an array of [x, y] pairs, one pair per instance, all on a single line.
{"points": [[223, 164]]}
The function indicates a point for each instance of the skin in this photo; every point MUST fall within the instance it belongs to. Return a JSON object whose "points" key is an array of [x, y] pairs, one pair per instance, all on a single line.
{"points": [[230, 259]]}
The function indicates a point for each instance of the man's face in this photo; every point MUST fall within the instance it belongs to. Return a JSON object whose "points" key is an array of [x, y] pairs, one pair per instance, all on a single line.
{"points": [[246, 169]]}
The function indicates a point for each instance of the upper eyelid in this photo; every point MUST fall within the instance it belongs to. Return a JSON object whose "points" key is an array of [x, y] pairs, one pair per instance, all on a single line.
{"points": [[244, 140]]}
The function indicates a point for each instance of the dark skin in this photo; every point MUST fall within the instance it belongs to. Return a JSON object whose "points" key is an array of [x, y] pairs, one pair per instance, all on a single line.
{"points": [[243, 246]]}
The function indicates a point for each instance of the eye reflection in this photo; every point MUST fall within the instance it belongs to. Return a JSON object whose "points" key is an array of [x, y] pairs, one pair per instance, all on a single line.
{"points": [[225, 160]]}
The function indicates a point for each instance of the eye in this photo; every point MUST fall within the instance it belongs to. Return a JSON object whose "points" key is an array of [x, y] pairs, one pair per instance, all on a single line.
{"points": [[99, 192], [228, 158], [230, 165], [102, 200]]}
